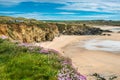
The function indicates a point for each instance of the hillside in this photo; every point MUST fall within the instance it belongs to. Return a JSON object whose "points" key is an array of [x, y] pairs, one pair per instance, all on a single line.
{"points": [[31, 30], [89, 22], [29, 62], [25, 61]]}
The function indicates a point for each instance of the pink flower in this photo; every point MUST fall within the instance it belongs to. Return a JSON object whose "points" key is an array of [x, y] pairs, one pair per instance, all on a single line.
{"points": [[81, 77], [3, 37], [54, 51], [25, 44], [44, 51]]}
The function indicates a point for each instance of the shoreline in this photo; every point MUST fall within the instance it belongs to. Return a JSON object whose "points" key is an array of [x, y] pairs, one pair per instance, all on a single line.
{"points": [[88, 61]]}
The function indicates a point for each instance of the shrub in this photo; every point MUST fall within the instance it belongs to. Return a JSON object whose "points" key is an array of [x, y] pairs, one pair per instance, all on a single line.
{"points": [[27, 62], [19, 63]]}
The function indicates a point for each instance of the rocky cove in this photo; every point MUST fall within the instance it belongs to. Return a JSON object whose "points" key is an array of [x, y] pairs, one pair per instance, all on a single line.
{"points": [[66, 38]]}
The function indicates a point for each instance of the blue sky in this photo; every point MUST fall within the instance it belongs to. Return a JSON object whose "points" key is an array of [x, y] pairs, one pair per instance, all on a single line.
{"points": [[62, 9]]}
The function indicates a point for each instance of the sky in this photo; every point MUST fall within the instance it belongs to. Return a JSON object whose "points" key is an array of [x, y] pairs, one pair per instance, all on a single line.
{"points": [[62, 9]]}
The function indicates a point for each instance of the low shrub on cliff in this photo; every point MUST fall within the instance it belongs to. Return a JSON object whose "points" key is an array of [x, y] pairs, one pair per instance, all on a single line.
{"points": [[18, 63], [27, 62]]}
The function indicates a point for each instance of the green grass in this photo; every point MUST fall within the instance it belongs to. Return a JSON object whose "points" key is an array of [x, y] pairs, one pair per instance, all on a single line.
{"points": [[18, 63]]}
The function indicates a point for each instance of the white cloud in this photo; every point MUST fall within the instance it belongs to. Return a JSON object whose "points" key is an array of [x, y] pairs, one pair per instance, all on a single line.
{"points": [[16, 2], [94, 6], [85, 5], [66, 13], [10, 2], [112, 6], [34, 15], [42, 16], [8, 12]]}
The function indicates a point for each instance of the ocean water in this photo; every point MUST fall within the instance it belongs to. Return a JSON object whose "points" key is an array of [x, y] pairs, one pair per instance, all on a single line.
{"points": [[103, 45], [115, 29]]}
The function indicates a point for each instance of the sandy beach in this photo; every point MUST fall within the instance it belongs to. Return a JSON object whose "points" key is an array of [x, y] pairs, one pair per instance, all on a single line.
{"points": [[87, 61]]}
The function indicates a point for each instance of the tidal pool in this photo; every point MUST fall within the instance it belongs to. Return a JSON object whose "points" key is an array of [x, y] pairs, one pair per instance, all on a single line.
{"points": [[104, 45]]}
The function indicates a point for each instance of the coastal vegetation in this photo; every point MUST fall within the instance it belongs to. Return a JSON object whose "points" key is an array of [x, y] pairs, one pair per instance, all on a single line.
{"points": [[20, 61], [89, 22], [31, 30]]}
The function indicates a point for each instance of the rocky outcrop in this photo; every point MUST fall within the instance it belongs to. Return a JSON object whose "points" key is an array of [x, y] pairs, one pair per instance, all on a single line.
{"points": [[29, 33], [107, 31], [78, 29], [31, 30]]}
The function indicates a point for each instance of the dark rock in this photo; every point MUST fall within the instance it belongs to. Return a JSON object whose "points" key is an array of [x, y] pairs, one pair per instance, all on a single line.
{"points": [[107, 31], [98, 76], [78, 30], [112, 77], [103, 34], [49, 36], [106, 34]]}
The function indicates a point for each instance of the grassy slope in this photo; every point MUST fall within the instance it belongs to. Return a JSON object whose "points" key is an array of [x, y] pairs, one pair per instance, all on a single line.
{"points": [[18, 63], [89, 22]]}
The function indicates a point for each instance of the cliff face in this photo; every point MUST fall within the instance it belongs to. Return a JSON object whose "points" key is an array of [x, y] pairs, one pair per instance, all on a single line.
{"points": [[31, 30], [78, 29], [29, 33]]}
